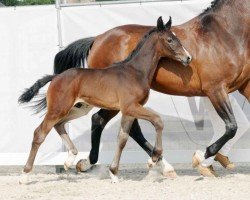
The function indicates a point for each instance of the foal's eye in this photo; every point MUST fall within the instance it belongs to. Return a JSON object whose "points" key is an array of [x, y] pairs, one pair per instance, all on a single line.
{"points": [[170, 40]]}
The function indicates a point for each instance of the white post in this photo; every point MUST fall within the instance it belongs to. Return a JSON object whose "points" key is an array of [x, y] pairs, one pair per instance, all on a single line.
{"points": [[59, 27], [60, 45]]}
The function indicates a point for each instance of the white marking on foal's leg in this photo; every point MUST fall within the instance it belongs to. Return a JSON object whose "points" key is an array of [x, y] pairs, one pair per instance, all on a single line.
{"points": [[114, 178], [24, 179], [151, 164], [70, 160], [167, 169]]}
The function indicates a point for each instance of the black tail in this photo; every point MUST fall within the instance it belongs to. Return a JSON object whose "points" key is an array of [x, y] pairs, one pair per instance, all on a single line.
{"points": [[29, 93], [73, 55]]}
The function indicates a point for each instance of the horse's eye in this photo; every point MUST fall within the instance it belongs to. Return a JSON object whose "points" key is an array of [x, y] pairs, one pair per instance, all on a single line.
{"points": [[170, 40]]}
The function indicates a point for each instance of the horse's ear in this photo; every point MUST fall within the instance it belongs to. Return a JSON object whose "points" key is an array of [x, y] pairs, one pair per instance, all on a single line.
{"points": [[169, 23], [160, 24]]}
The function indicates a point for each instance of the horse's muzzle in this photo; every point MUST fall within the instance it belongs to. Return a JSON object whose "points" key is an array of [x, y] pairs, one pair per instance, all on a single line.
{"points": [[186, 61]]}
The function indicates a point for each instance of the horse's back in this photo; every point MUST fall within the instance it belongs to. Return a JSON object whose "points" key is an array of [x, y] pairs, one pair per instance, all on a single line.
{"points": [[115, 45]]}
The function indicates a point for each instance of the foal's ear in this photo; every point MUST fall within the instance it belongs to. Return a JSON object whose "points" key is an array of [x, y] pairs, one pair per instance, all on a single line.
{"points": [[169, 23], [160, 24]]}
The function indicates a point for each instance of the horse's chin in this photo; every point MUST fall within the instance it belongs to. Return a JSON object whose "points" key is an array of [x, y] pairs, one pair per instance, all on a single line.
{"points": [[185, 63]]}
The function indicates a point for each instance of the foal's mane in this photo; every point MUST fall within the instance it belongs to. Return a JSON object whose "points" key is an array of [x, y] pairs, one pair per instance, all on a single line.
{"points": [[215, 4], [138, 47]]}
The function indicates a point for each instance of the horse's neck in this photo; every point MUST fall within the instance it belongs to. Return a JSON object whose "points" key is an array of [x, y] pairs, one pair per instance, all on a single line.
{"points": [[147, 58], [230, 15]]}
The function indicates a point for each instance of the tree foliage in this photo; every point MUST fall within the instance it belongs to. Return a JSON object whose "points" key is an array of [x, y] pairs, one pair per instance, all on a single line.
{"points": [[26, 2]]}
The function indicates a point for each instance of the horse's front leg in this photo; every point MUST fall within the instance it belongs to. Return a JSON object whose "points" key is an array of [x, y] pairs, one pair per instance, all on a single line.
{"points": [[222, 105], [126, 124]]}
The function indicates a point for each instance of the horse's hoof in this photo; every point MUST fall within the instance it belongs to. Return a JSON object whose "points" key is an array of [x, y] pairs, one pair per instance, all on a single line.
{"points": [[197, 158], [24, 179], [207, 171], [114, 178], [167, 169], [66, 167], [224, 161], [195, 161], [70, 160], [170, 174], [230, 166], [83, 165], [151, 164]]}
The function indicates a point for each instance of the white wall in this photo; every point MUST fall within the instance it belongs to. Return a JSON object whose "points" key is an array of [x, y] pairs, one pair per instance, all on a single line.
{"points": [[29, 41]]}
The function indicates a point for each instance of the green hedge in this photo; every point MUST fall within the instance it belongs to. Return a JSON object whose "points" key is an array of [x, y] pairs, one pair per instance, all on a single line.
{"points": [[26, 2]]}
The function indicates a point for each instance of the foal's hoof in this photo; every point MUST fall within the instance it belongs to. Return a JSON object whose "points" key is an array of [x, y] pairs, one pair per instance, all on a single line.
{"points": [[70, 160], [167, 169], [151, 164], [114, 178], [66, 166], [83, 165], [170, 174], [24, 179]]}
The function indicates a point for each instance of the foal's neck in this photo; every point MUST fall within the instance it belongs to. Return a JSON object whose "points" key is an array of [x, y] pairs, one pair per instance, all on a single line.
{"points": [[146, 60]]}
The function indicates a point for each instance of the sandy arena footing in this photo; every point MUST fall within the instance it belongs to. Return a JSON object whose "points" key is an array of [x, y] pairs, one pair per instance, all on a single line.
{"points": [[136, 183]]}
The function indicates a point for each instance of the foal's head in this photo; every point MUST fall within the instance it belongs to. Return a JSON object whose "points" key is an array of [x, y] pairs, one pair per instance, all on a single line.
{"points": [[170, 46]]}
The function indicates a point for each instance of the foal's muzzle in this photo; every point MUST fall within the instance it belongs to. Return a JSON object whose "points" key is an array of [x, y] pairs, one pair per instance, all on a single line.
{"points": [[187, 60]]}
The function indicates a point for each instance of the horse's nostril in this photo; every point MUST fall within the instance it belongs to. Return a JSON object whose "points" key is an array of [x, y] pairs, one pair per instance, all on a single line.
{"points": [[189, 59]]}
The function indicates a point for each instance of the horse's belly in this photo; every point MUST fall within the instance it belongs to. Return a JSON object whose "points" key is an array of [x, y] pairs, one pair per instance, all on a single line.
{"points": [[106, 103]]}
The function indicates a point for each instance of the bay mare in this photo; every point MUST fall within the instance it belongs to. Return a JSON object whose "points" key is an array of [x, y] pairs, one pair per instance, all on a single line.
{"points": [[123, 86], [218, 39]]}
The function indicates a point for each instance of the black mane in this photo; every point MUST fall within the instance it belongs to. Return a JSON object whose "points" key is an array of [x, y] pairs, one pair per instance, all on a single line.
{"points": [[215, 4], [138, 47]]}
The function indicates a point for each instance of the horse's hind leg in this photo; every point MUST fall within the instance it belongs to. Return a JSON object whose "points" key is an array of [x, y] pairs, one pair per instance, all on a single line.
{"points": [[40, 134], [245, 90], [126, 124], [99, 121], [72, 150], [74, 113]]}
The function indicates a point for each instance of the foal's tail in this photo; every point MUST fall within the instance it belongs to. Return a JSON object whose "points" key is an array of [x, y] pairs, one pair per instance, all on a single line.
{"points": [[73, 55], [29, 93]]}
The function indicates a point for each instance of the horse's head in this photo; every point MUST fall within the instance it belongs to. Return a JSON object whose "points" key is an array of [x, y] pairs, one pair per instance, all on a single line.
{"points": [[170, 45]]}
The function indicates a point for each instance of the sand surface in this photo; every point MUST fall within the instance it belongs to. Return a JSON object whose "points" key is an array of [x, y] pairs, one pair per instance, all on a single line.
{"points": [[137, 184]]}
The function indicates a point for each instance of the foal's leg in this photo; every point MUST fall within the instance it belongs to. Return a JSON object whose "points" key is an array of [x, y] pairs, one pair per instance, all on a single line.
{"points": [[126, 124], [74, 113], [222, 105], [39, 136], [139, 112], [99, 121], [72, 150]]}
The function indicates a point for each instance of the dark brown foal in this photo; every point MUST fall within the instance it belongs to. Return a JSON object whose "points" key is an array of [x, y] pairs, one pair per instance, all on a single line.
{"points": [[123, 86]]}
